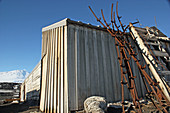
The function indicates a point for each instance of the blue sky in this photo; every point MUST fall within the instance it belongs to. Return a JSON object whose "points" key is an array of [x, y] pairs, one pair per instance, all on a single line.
{"points": [[21, 22]]}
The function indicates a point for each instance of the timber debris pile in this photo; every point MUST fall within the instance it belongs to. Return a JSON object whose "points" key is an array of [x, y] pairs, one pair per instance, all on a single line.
{"points": [[154, 47]]}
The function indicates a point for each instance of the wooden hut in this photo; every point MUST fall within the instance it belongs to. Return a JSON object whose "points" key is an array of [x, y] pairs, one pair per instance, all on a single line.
{"points": [[80, 60]]}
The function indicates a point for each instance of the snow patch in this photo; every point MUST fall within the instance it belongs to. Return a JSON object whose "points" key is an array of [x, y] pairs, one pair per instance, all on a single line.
{"points": [[17, 76]]}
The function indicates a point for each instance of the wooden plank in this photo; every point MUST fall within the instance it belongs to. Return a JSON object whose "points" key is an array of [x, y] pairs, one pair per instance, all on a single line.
{"points": [[108, 68], [151, 43], [100, 63], [71, 68], [113, 67], [55, 69], [143, 35], [51, 68], [160, 53], [65, 71], [59, 73], [92, 72], [62, 75], [52, 72], [91, 62], [87, 63], [57, 24], [140, 86], [22, 92], [152, 39], [117, 73], [105, 74], [141, 29], [167, 60], [49, 73], [164, 39], [9, 100], [43, 83], [77, 66], [135, 70], [81, 68], [164, 73], [96, 63], [47, 77]]}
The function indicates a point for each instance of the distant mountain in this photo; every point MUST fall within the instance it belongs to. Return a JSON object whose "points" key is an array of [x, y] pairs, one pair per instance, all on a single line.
{"points": [[17, 76]]}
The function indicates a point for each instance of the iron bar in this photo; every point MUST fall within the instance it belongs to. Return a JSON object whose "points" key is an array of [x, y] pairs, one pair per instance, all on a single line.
{"points": [[123, 47]]}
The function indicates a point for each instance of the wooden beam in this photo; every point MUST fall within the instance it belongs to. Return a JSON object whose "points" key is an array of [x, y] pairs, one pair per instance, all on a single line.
{"points": [[141, 29], [151, 43], [151, 67], [165, 73], [160, 53]]}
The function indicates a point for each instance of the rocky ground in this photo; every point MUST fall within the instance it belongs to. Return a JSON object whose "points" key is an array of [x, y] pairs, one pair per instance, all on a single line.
{"points": [[147, 107], [19, 108]]}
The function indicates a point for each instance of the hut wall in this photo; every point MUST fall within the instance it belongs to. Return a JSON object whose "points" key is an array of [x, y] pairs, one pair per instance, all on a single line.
{"points": [[78, 61], [30, 88]]}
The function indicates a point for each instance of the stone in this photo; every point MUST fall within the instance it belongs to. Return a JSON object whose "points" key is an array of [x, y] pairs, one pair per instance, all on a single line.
{"points": [[95, 104]]}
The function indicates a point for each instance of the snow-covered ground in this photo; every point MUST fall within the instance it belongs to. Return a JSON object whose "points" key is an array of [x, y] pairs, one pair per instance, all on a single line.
{"points": [[17, 76]]}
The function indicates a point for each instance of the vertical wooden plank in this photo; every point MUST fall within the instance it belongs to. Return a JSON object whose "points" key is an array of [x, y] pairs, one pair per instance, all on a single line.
{"points": [[136, 72], [140, 85], [42, 76], [87, 64], [104, 49], [108, 64], [42, 99], [95, 64], [143, 89], [91, 62], [52, 71], [55, 69], [71, 67], [49, 73], [116, 73], [47, 77], [100, 63], [112, 69], [62, 75], [45, 74], [22, 92], [77, 60], [82, 95], [59, 73], [78, 65], [65, 71]]}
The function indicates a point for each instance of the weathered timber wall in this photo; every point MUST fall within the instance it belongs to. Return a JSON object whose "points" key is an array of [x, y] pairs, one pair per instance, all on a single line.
{"points": [[30, 88], [78, 61], [9, 90]]}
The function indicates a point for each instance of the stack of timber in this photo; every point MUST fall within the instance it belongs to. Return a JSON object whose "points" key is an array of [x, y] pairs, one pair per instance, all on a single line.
{"points": [[78, 61], [155, 47], [9, 91], [30, 88]]}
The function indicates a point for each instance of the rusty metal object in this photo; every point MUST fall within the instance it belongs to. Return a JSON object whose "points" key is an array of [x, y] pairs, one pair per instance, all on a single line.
{"points": [[119, 17], [124, 48]]}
